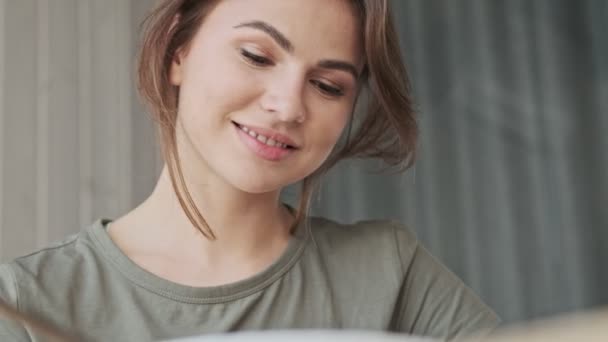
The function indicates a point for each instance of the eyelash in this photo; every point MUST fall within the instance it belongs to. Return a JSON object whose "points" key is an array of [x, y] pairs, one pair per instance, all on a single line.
{"points": [[255, 59], [261, 61], [327, 89]]}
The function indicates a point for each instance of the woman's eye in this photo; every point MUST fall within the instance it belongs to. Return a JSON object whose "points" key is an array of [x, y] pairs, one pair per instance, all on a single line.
{"points": [[255, 59], [327, 89]]}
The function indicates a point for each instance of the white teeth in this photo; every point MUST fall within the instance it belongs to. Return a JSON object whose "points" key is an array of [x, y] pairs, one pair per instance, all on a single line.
{"points": [[263, 139]]}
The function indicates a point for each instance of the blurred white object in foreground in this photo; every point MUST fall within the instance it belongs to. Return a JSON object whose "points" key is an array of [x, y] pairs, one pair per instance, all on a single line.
{"points": [[589, 326], [306, 335]]}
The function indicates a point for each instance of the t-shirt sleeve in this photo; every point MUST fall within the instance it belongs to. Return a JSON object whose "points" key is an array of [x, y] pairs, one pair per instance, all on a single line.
{"points": [[9, 329], [433, 301]]}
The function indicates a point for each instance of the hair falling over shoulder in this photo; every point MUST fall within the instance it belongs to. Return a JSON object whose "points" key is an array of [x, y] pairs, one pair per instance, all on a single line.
{"points": [[386, 129]]}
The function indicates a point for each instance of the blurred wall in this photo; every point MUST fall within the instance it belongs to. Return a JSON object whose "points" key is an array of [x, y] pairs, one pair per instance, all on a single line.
{"points": [[74, 142], [509, 190]]}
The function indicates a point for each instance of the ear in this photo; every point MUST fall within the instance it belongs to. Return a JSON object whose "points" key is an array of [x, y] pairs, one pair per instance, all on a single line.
{"points": [[176, 70]]}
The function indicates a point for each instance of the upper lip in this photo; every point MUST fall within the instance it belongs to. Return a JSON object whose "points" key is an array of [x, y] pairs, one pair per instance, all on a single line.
{"points": [[268, 133]]}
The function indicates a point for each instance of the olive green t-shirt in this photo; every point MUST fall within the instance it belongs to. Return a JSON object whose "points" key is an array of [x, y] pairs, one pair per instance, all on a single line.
{"points": [[368, 275]]}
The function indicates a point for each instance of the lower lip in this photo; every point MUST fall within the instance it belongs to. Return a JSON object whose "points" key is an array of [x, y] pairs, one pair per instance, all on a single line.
{"points": [[262, 150]]}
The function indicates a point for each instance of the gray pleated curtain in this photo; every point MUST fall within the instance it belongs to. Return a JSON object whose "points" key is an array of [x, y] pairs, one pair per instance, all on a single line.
{"points": [[509, 190], [511, 185]]}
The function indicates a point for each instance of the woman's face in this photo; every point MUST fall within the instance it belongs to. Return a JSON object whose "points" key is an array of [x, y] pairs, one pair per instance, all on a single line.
{"points": [[266, 88]]}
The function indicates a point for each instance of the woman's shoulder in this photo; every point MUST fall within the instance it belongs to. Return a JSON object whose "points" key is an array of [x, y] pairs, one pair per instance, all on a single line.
{"points": [[382, 249], [387, 253], [53, 265], [384, 236], [53, 282], [71, 248], [375, 227]]}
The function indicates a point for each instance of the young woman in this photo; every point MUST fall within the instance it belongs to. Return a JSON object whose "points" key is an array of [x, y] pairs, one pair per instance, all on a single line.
{"points": [[251, 96]]}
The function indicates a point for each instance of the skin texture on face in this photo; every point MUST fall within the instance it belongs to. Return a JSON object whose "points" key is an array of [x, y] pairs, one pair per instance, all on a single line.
{"points": [[287, 66]]}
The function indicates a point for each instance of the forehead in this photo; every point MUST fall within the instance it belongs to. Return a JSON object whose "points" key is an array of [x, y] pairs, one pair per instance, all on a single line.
{"points": [[313, 26]]}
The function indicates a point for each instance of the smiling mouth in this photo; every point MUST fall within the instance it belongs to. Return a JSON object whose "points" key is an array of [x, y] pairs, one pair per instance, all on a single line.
{"points": [[264, 139]]}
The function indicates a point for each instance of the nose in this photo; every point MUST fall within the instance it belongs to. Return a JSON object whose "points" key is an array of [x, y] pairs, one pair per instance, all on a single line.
{"points": [[284, 97]]}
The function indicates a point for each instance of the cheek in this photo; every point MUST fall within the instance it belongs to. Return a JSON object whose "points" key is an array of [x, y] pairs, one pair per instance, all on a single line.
{"points": [[217, 84], [331, 119], [334, 130], [230, 88], [329, 125]]}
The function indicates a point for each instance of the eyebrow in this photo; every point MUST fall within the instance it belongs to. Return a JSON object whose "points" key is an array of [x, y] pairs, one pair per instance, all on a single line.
{"points": [[286, 44], [339, 65], [271, 31]]}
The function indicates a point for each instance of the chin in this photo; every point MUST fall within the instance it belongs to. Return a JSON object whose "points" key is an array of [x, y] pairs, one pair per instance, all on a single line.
{"points": [[258, 185], [258, 189]]}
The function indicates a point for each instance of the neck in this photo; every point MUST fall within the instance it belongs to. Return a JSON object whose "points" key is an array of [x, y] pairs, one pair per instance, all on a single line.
{"points": [[247, 226]]}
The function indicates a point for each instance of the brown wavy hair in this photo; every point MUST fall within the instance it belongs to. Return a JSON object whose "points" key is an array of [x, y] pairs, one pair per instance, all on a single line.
{"points": [[386, 130]]}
